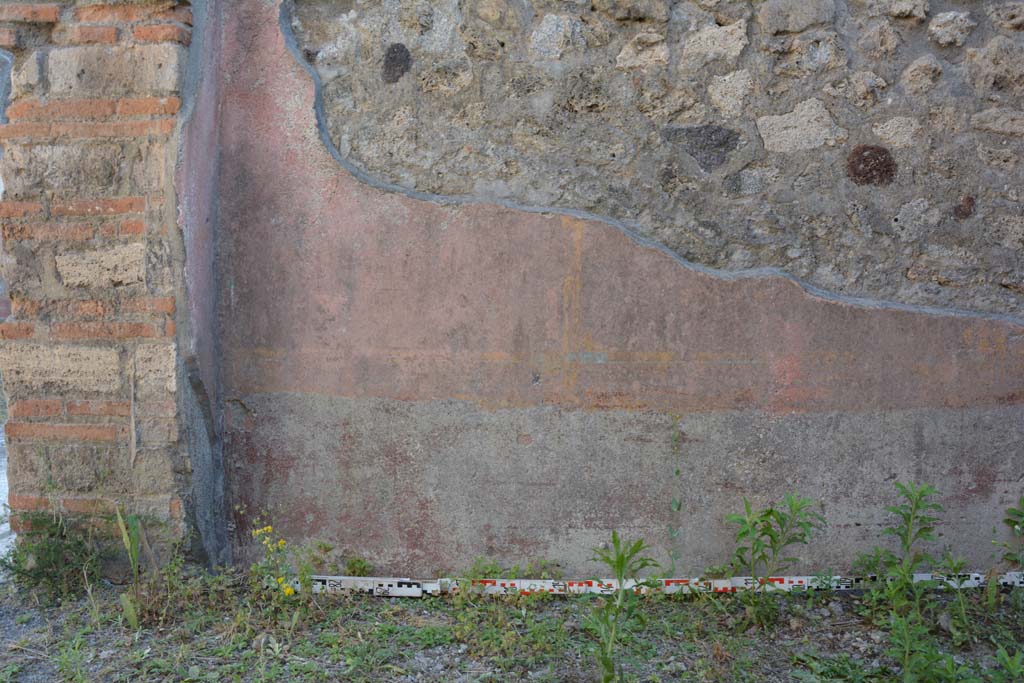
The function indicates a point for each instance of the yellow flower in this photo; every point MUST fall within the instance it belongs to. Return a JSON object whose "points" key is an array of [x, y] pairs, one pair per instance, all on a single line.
{"points": [[280, 579], [281, 544], [288, 590]]}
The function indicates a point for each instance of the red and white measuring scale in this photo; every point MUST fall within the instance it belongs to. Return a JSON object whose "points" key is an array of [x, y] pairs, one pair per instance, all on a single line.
{"points": [[411, 588]]}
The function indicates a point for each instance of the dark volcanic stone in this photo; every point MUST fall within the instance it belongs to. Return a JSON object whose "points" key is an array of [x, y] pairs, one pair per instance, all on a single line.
{"points": [[397, 61], [965, 209], [709, 145], [871, 165]]}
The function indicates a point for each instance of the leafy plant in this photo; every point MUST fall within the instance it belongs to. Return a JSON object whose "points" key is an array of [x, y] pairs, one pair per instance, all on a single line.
{"points": [[358, 566], [899, 599], [764, 536], [839, 668], [916, 523], [1011, 667], [611, 614], [761, 542], [1014, 550], [70, 659], [911, 646], [130, 533], [959, 625], [51, 556], [271, 576]]}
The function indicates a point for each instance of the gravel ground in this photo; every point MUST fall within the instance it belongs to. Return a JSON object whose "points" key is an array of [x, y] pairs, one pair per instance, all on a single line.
{"points": [[222, 634]]}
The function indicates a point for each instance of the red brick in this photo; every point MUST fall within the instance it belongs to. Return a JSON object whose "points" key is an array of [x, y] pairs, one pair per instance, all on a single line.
{"points": [[41, 431], [30, 12], [48, 232], [36, 408], [24, 503], [99, 408], [14, 131], [132, 227], [16, 330], [84, 35], [175, 509], [34, 110], [163, 304], [104, 13], [149, 106], [162, 33], [84, 309], [68, 308], [106, 129], [88, 506], [8, 38], [98, 207], [25, 308], [105, 330], [19, 209]]}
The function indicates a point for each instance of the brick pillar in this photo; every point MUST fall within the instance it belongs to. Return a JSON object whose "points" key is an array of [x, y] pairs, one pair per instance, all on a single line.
{"points": [[93, 258]]}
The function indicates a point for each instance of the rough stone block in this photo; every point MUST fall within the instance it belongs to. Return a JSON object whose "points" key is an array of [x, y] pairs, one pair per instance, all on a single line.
{"points": [[98, 71], [791, 16], [155, 369], [634, 10], [642, 51], [97, 170], [117, 266], [728, 92], [809, 125], [37, 369], [909, 9], [899, 131], [723, 43], [997, 70], [1000, 120], [29, 76], [951, 28], [70, 468], [1008, 16]]}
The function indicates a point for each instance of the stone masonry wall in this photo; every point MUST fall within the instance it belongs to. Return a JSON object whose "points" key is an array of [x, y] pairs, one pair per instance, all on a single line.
{"points": [[93, 258], [871, 147]]}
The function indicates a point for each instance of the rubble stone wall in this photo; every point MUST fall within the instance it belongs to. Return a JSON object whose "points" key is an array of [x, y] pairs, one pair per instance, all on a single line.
{"points": [[870, 147]]}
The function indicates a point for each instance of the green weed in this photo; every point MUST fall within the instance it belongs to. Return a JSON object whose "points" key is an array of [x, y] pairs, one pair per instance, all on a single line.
{"points": [[762, 540], [357, 566], [130, 533], [839, 668], [51, 556], [611, 615], [1013, 551]]}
